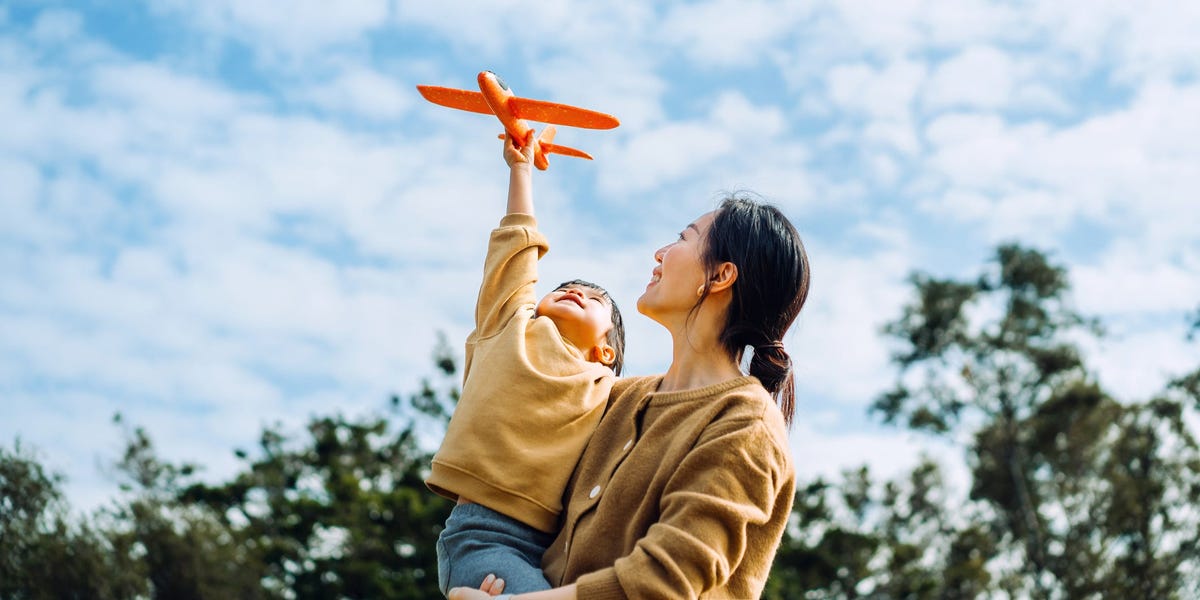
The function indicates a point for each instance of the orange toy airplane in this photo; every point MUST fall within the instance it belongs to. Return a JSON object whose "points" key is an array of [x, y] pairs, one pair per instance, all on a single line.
{"points": [[494, 98]]}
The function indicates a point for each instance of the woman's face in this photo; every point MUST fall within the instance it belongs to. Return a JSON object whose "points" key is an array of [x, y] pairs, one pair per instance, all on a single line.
{"points": [[679, 276]]}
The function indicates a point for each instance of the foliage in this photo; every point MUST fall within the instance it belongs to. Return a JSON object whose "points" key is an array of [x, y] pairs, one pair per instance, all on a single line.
{"points": [[1084, 495], [897, 539], [341, 513], [43, 554]]}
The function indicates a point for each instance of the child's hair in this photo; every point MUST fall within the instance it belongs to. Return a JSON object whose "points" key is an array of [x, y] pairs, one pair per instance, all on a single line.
{"points": [[616, 335]]}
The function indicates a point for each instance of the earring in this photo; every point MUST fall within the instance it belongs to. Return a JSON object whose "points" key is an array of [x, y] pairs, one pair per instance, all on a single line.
{"points": [[699, 291]]}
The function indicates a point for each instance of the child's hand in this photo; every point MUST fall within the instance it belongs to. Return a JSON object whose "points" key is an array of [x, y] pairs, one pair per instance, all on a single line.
{"points": [[518, 156]]}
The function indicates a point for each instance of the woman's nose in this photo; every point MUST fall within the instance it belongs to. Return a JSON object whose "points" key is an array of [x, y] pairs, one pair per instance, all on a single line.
{"points": [[658, 254]]}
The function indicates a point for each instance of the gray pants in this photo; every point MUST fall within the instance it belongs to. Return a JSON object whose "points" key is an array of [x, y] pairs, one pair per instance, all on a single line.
{"points": [[478, 540]]}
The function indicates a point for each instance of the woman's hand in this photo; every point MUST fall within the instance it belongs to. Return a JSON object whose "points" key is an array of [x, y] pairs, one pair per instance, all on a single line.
{"points": [[491, 586]]}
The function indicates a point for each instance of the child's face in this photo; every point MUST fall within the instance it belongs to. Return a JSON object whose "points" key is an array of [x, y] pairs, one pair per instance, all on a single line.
{"points": [[583, 315]]}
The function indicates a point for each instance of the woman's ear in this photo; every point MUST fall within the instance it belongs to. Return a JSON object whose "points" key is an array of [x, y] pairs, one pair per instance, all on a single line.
{"points": [[724, 276]]}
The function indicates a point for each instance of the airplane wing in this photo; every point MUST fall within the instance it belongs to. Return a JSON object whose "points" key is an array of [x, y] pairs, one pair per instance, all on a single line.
{"points": [[560, 114], [455, 98], [522, 108]]}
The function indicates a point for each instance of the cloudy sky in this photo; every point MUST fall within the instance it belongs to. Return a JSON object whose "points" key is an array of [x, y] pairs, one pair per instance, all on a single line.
{"points": [[218, 215]]}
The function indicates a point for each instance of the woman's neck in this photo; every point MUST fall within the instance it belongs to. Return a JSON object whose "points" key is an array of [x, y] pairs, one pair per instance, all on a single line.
{"points": [[698, 360]]}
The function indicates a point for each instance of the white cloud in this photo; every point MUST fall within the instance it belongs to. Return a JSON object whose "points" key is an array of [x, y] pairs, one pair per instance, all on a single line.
{"points": [[361, 91], [977, 77], [496, 29], [1131, 166], [56, 26], [975, 151], [667, 153], [281, 28], [889, 454], [729, 33], [1145, 41], [736, 145], [1127, 281], [953, 23], [892, 135], [836, 344], [733, 112], [622, 84], [1134, 362], [889, 28], [1161, 41], [23, 184], [886, 92]]}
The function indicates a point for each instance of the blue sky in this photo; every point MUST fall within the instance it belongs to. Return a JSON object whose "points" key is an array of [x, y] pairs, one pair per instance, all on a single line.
{"points": [[226, 214]]}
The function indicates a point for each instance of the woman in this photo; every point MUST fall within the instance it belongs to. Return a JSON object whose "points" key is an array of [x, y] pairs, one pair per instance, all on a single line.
{"points": [[686, 486]]}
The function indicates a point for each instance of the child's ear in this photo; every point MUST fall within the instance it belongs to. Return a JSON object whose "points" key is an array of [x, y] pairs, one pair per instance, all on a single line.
{"points": [[603, 354]]}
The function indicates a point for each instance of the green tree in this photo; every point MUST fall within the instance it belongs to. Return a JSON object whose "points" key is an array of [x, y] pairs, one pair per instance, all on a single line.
{"points": [[896, 539], [184, 552], [44, 552], [346, 513], [341, 511], [1079, 492]]}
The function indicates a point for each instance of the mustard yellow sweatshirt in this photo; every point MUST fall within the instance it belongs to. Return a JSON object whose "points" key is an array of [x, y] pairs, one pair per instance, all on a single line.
{"points": [[677, 495], [530, 400]]}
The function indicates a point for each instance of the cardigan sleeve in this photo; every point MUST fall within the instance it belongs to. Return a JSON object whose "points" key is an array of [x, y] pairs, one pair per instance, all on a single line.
{"points": [[732, 482]]}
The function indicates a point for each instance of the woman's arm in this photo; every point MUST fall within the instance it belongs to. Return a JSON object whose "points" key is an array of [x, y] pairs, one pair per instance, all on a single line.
{"points": [[720, 516], [562, 593]]}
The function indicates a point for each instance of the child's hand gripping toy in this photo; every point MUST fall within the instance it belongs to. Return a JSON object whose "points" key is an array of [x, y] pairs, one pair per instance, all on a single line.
{"points": [[494, 98]]}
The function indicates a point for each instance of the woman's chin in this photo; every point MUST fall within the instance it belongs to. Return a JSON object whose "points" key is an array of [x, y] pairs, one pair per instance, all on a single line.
{"points": [[648, 307], [643, 304]]}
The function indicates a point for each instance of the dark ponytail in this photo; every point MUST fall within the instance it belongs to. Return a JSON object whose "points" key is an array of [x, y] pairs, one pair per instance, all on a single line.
{"points": [[770, 290]]}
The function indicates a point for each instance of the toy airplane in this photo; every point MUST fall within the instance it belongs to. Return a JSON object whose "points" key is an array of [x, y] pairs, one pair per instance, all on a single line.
{"points": [[494, 98]]}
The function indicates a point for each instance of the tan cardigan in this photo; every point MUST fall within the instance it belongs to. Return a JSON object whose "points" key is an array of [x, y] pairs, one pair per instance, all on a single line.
{"points": [[677, 495], [530, 400]]}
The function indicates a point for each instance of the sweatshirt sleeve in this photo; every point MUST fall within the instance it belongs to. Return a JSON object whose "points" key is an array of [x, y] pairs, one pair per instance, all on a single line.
{"points": [[736, 477], [509, 273]]}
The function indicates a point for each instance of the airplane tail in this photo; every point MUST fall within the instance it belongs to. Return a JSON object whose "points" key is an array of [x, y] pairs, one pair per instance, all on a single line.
{"points": [[545, 147]]}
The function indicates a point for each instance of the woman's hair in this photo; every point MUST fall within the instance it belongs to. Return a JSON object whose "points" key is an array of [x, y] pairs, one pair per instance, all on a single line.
{"points": [[616, 335], [770, 289]]}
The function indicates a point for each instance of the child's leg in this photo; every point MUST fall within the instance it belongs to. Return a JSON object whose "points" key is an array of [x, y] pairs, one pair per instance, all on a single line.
{"points": [[478, 541]]}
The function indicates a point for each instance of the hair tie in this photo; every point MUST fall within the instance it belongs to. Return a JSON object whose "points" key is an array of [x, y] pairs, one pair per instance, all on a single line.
{"points": [[776, 345]]}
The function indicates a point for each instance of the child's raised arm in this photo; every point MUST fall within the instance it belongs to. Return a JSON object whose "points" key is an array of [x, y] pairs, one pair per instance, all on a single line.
{"points": [[520, 176]]}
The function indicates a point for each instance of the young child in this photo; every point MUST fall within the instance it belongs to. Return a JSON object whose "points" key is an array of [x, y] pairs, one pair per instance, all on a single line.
{"points": [[535, 383]]}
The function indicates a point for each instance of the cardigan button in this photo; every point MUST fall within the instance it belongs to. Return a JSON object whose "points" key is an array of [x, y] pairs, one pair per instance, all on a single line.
{"points": [[594, 492]]}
